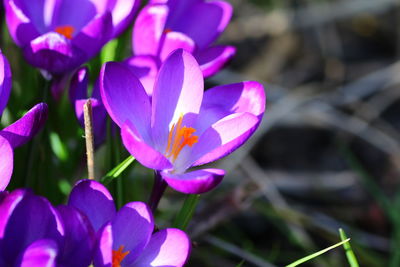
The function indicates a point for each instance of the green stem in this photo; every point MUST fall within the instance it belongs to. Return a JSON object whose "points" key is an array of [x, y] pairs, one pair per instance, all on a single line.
{"points": [[159, 187], [119, 186], [351, 257], [186, 212]]}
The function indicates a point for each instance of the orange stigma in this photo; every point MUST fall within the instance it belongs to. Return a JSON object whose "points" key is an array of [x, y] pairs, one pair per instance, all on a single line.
{"points": [[118, 256], [66, 30], [167, 30], [178, 138]]}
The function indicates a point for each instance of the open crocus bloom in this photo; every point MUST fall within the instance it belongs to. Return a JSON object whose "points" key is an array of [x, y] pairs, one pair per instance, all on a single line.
{"points": [[181, 126], [34, 233], [125, 238], [59, 35], [164, 26], [19, 132]]}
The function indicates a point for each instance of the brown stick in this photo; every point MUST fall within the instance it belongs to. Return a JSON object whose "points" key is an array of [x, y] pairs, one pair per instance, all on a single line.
{"points": [[88, 117]]}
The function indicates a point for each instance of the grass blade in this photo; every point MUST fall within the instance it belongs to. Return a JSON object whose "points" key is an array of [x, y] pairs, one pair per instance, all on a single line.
{"points": [[114, 173], [186, 212], [351, 257], [316, 254]]}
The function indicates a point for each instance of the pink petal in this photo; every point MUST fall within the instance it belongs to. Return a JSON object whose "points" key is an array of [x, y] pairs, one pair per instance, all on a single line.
{"points": [[204, 21], [194, 182], [143, 152], [148, 29], [5, 82], [94, 200], [6, 163], [132, 228], [146, 69], [223, 137], [175, 40], [41, 253], [213, 59], [25, 128], [178, 92], [125, 98], [169, 247]]}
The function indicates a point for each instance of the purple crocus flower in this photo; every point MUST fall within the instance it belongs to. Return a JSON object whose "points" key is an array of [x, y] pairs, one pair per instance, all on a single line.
{"points": [[181, 126], [34, 233], [19, 132], [164, 26], [60, 35], [125, 238]]}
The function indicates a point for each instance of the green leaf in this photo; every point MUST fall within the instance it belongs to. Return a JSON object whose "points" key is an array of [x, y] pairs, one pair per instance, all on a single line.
{"points": [[316, 254], [351, 257], [58, 147], [114, 173], [108, 51], [186, 212], [240, 263]]}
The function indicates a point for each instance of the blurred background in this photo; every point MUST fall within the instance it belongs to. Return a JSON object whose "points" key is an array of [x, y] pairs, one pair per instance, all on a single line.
{"points": [[327, 153], [326, 156]]}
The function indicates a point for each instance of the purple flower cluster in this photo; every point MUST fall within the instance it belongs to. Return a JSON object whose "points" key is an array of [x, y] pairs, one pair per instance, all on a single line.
{"points": [[19, 132], [156, 97], [88, 229], [58, 36]]}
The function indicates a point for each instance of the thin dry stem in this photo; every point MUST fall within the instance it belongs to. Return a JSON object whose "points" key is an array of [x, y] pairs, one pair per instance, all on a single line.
{"points": [[88, 117]]}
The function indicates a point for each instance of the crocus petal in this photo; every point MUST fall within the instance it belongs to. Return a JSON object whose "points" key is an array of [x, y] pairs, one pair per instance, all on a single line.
{"points": [[213, 59], [178, 8], [143, 153], [123, 12], [175, 40], [221, 101], [132, 228], [223, 137], [168, 247], [75, 13], [148, 29], [195, 182], [146, 69], [79, 84], [54, 53], [93, 200], [7, 206], [41, 253], [5, 82], [94, 35], [103, 251], [204, 21], [6, 163], [78, 92], [25, 128], [32, 219], [79, 238], [125, 98], [178, 92], [20, 26]]}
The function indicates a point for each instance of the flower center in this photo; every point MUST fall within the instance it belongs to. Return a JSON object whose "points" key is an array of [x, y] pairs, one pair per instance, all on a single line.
{"points": [[167, 30], [178, 138], [118, 256], [66, 30]]}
